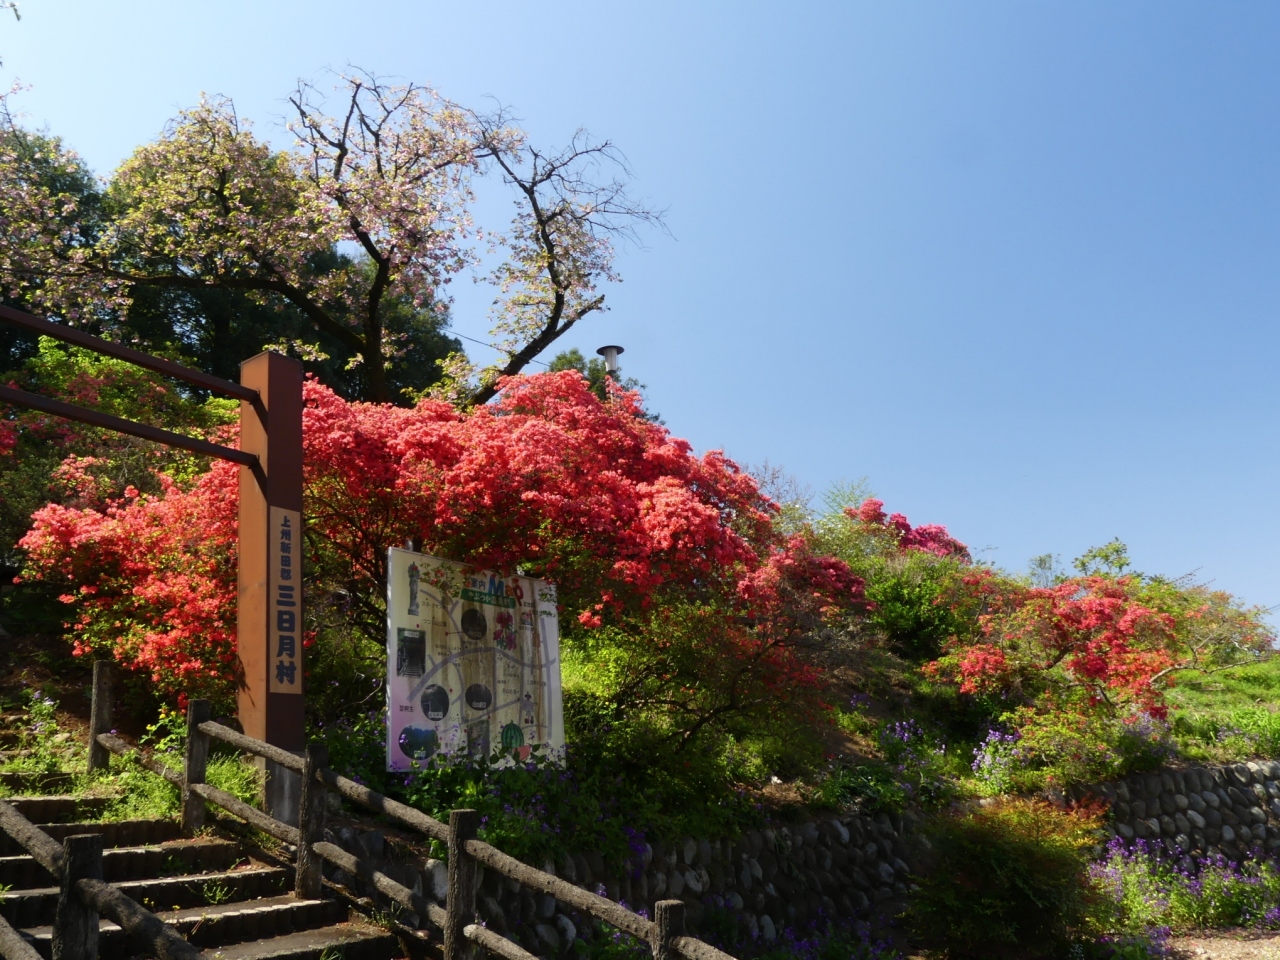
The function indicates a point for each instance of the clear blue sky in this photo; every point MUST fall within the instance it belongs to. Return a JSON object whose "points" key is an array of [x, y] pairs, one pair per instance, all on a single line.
{"points": [[1016, 263]]}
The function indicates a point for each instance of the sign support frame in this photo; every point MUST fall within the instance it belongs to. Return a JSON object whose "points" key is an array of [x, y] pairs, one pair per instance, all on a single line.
{"points": [[270, 486]]}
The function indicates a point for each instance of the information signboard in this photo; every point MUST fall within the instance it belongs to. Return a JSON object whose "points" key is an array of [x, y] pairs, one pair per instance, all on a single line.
{"points": [[473, 662]]}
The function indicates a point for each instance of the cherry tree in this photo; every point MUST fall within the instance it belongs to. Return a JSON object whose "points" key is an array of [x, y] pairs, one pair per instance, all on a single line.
{"points": [[372, 206]]}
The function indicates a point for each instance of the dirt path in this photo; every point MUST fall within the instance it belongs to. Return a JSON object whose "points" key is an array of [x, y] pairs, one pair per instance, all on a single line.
{"points": [[1228, 945]]}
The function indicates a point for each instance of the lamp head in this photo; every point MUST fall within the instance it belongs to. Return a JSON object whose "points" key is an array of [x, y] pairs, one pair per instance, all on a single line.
{"points": [[610, 354]]}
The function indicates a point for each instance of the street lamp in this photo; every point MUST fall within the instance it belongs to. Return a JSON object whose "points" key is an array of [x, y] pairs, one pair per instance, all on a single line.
{"points": [[610, 354]]}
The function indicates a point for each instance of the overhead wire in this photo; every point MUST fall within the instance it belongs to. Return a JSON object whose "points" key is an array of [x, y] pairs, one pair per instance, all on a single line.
{"points": [[493, 347]]}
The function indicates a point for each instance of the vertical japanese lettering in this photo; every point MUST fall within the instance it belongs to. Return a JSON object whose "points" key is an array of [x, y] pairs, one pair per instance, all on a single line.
{"points": [[285, 613]]}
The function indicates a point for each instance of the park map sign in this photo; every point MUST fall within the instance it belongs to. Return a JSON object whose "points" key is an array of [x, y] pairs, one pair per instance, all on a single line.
{"points": [[473, 662]]}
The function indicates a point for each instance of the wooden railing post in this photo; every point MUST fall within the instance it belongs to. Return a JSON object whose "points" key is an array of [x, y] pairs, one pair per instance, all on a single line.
{"points": [[461, 905], [311, 811], [75, 924], [100, 715], [668, 923], [197, 761]]}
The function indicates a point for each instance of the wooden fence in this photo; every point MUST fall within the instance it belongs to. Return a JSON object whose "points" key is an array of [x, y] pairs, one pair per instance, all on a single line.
{"points": [[83, 896], [665, 933]]}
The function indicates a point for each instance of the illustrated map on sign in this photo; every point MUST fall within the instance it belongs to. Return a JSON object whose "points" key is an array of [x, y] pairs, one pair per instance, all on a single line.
{"points": [[473, 662]]}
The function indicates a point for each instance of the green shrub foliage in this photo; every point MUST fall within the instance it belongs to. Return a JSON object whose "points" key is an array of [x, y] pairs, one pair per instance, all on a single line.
{"points": [[1006, 880]]}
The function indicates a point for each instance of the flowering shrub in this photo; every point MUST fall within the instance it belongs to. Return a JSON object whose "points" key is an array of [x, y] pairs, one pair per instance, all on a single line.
{"points": [[1062, 741], [896, 529], [1120, 639], [909, 573], [994, 761], [45, 458], [669, 558], [1080, 669], [42, 746], [918, 760], [153, 580], [1145, 890]]}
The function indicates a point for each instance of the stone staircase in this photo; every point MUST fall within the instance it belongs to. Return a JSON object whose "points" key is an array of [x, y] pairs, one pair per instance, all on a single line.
{"points": [[232, 901]]}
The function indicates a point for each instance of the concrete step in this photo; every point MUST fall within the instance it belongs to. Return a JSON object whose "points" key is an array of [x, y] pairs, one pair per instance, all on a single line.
{"points": [[59, 809], [216, 926], [134, 863], [350, 941], [119, 833], [31, 908]]}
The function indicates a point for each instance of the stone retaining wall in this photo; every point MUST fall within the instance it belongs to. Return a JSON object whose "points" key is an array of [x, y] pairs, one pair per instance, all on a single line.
{"points": [[780, 876], [1232, 811]]}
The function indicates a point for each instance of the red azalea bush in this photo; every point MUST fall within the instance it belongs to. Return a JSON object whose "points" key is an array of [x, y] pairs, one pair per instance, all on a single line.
{"points": [[910, 574], [1077, 671], [548, 479], [1116, 640], [45, 458], [928, 537]]}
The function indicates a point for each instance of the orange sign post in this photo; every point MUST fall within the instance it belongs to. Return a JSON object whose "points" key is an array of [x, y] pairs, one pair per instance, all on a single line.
{"points": [[269, 613]]}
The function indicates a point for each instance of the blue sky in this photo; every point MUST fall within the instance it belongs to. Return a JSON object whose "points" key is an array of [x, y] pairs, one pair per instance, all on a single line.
{"points": [[1014, 263]]}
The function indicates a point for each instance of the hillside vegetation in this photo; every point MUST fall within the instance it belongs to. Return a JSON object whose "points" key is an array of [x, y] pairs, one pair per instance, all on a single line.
{"points": [[729, 656]]}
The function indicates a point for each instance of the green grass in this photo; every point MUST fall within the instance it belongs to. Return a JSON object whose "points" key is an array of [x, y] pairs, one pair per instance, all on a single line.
{"points": [[1257, 685], [136, 793], [1230, 715], [141, 795]]}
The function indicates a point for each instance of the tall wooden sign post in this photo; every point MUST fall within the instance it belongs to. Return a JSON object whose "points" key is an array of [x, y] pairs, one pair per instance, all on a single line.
{"points": [[269, 619], [269, 612]]}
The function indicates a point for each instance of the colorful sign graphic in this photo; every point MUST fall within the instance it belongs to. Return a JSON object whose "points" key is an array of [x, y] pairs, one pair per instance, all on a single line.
{"points": [[473, 662]]}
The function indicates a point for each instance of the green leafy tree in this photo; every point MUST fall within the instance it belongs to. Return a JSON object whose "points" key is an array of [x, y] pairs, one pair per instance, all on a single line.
{"points": [[593, 369], [352, 235]]}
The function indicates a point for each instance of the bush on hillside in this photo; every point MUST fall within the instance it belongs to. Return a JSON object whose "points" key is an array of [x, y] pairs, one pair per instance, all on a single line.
{"points": [[685, 610], [909, 572], [1006, 880]]}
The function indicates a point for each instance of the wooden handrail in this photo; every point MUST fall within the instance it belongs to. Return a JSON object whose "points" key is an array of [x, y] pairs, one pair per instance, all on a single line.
{"points": [[45, 850], [697, 949], [122, 749], [13, 946], [598, 906], [250, 745], [143, 926], [139, 923], [381, 882], [496, 943], [254, 817], [359, 793], [666, 939], [392, 809]]}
